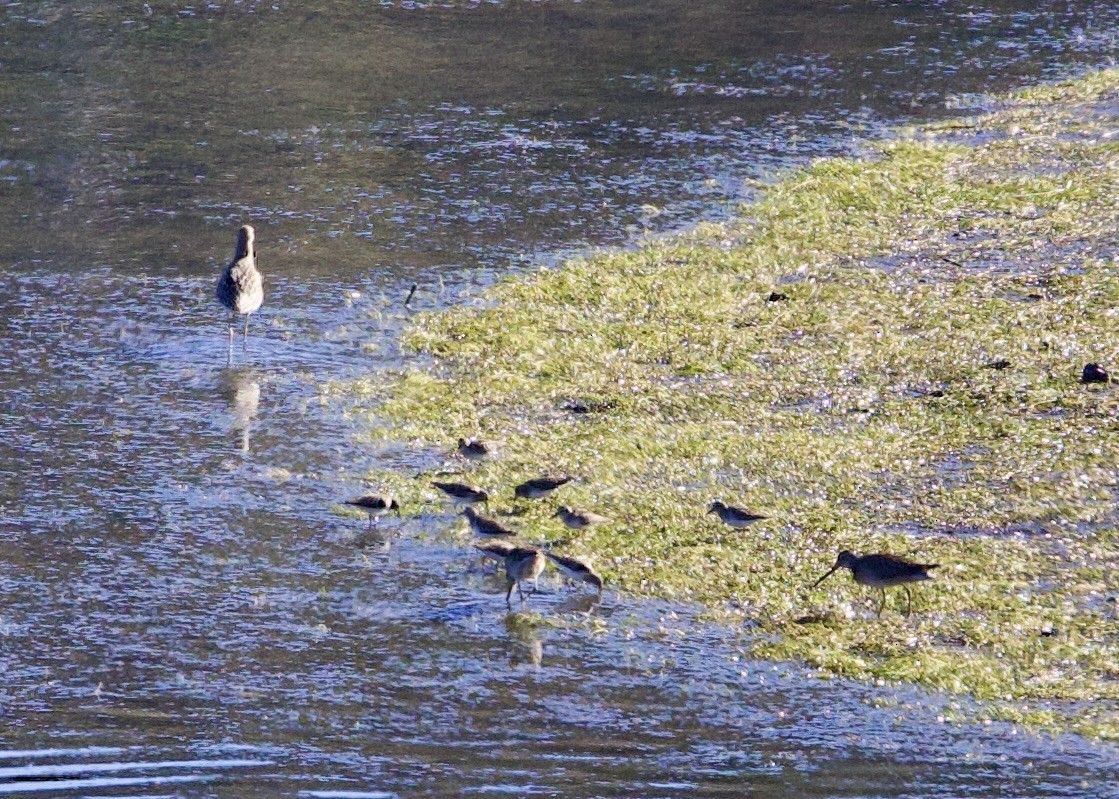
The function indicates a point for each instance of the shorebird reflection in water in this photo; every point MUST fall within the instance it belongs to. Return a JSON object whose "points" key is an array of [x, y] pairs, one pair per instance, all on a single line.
{"points": [[241, 286], [525, 632], [241, 390], [523, 563], [882, 571]]}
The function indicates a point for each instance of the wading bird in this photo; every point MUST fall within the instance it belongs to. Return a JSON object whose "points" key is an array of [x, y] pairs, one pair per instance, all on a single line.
{"points": [[486, 528], [540, 487], [462, 493], [580, 519], [738, 518], [496, 549], [522, 563], [575, 569], [375, 505], [882, 571], [472, 449], [241, 286]]}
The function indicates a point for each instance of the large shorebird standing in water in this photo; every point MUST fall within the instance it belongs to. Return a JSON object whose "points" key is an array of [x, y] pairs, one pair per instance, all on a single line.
{"points": [[241, 286]]}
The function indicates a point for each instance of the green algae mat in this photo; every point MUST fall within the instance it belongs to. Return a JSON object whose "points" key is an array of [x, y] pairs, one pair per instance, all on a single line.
{"points": [[883, 355]]}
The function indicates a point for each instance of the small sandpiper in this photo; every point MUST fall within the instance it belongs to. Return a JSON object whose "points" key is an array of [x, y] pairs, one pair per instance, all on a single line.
{"points": [[462, 493], [496, 549], [473, 450], [375, 505], [576, 569], [241, 286], [486, 528], [738, 518], [580, 519], [523, 563], [540, 487], [882, 571]]}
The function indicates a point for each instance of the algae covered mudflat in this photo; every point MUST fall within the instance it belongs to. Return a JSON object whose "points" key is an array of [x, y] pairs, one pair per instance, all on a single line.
{"points": [[883, 355]]}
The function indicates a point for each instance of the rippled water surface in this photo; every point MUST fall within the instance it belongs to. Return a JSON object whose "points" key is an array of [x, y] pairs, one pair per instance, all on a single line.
{"points": [[184, 610]]}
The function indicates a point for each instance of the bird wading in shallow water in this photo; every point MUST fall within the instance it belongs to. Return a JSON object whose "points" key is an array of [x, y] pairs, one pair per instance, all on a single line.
{"points": [[375, 505], [496, 549], [575, 569], [241, 286], [735, 517], [522, 563], [882, 571]]}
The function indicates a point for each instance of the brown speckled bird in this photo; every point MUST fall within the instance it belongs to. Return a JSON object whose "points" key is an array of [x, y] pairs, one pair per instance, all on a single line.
{"points": [[738, 518], [484, 527], [576, 569], [375, 505], [580, 519], [472, 449], [540, 487], [462, 493], [241, 286], [496, 549], [523, 563], [882, 571]]}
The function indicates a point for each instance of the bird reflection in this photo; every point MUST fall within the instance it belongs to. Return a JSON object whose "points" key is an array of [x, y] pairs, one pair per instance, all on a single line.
{"points": [[374, 540], [524, 632], [239, 387], [579, 603]]}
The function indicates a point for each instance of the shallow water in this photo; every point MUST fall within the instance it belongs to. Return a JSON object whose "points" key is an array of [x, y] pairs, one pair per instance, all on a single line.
{"points": [[184, 611]]}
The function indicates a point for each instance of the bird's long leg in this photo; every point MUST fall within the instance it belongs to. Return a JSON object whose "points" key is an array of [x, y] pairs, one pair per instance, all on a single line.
{"points": [[908, 601], [370, 521], [509, 592], [882, 604], [229, 354], [520, 593]]}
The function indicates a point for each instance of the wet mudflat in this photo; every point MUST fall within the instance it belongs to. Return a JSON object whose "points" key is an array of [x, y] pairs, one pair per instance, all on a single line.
{"points": [[186, 612]]}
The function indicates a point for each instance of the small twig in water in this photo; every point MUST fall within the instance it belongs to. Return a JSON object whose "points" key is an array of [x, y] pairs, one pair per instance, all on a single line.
{"points": [[411, 292]]}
